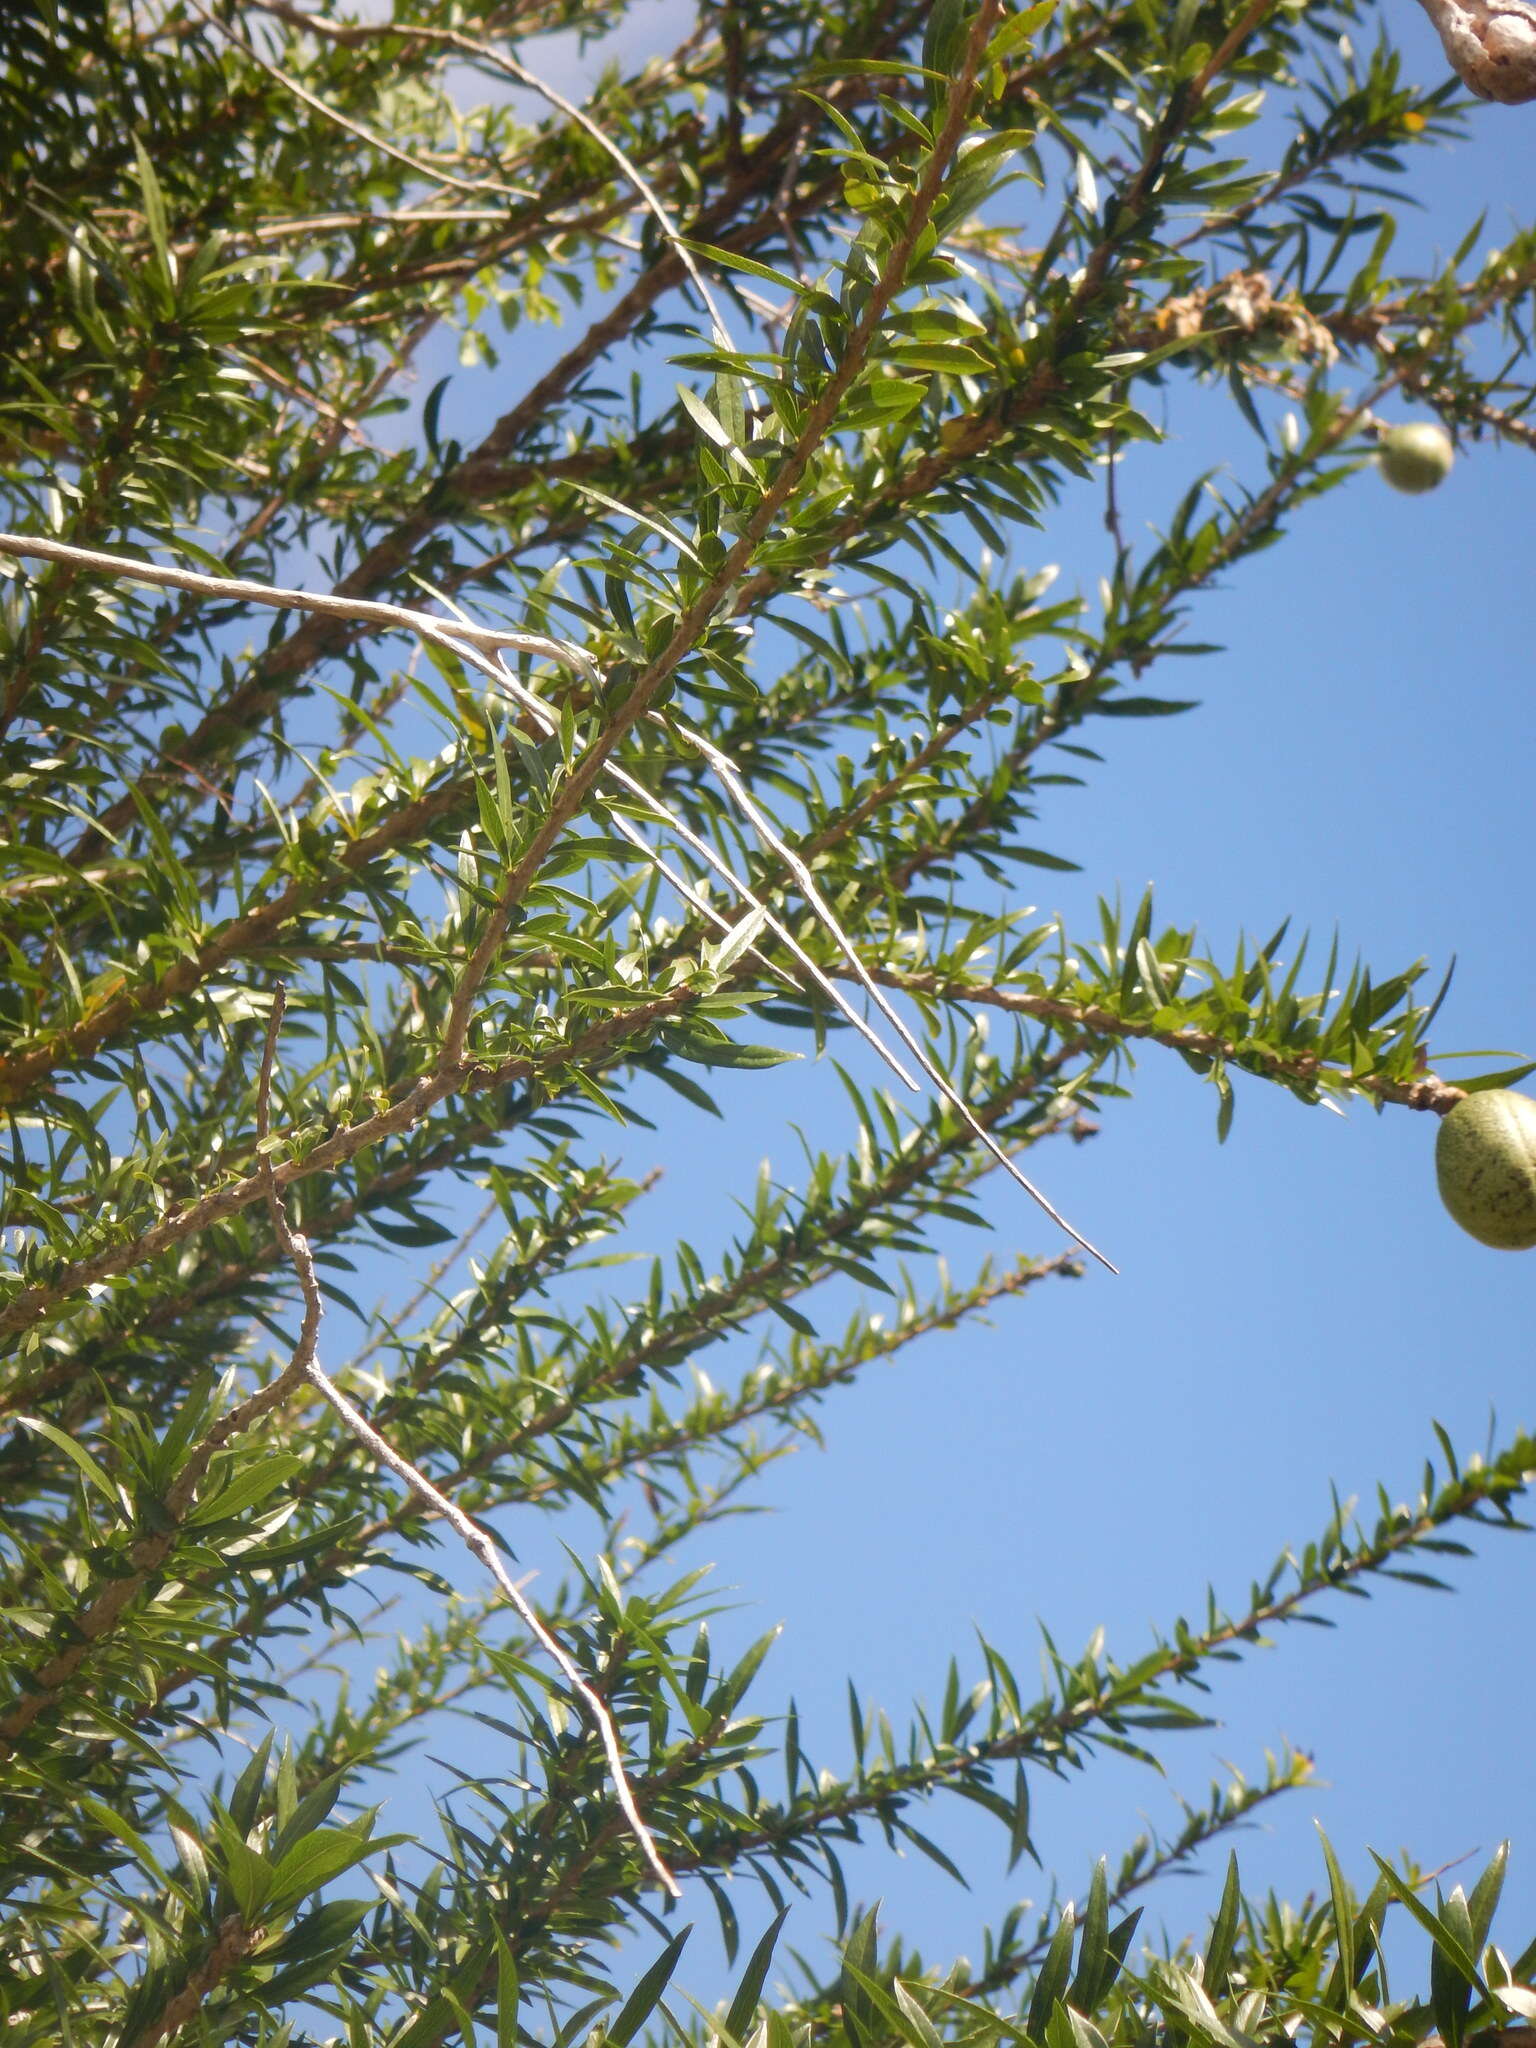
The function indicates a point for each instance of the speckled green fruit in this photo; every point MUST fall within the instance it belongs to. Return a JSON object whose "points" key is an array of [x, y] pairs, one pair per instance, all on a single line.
{"points": [[1485, 1162], [1415, 458]]}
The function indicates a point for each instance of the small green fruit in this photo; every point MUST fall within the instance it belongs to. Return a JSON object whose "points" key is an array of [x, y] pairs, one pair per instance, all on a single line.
{"points": [[1415, 458], [1485, 1162]]}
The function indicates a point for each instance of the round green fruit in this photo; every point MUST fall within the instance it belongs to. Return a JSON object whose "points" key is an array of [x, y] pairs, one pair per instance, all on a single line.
{"points": [[1485, 1162], [1415, 458]]}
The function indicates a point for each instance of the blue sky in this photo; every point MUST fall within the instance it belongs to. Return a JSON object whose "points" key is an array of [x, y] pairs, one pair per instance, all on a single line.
{"points": [[1294, 1308]]}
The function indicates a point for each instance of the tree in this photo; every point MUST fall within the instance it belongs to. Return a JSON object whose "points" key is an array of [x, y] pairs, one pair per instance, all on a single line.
{"points": [[388, 809]]}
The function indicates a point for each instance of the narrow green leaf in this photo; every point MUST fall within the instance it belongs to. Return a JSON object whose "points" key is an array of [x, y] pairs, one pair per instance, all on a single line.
{"points": [[1343, 1920], [1093, 1953], [508, 1993], [743, 2008], [646, 1996], [1220, 1944], [1446, 1941], [1051, 1983], [154, 212], [77, 1454]]}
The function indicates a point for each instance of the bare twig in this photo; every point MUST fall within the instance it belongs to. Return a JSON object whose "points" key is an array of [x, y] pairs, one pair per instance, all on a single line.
{"points": [[236, 588], [325, 223], [1112, 501], [341, 120], [408, 1308], [475, 1539], [457, 40], [627, 169], [727, 772], [291, 389]]}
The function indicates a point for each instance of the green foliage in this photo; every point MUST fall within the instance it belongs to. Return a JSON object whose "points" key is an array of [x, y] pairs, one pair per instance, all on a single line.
{"points": [[698, 807]]}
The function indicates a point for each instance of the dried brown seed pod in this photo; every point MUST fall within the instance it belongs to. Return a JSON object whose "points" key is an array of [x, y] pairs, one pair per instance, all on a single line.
{"points": [[1491, 45], [1485, 1163]]}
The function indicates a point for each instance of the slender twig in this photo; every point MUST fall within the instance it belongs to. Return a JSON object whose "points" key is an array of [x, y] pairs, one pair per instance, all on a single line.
{"points": [[408, 1308], [729, 776], [632, 176], [771, 1393], [475, 1539], [1111, 499], [456, 39], [374, 141], [238, 589], [1072, 1717], [312, 399], [325, 223], [1228, 48]]}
